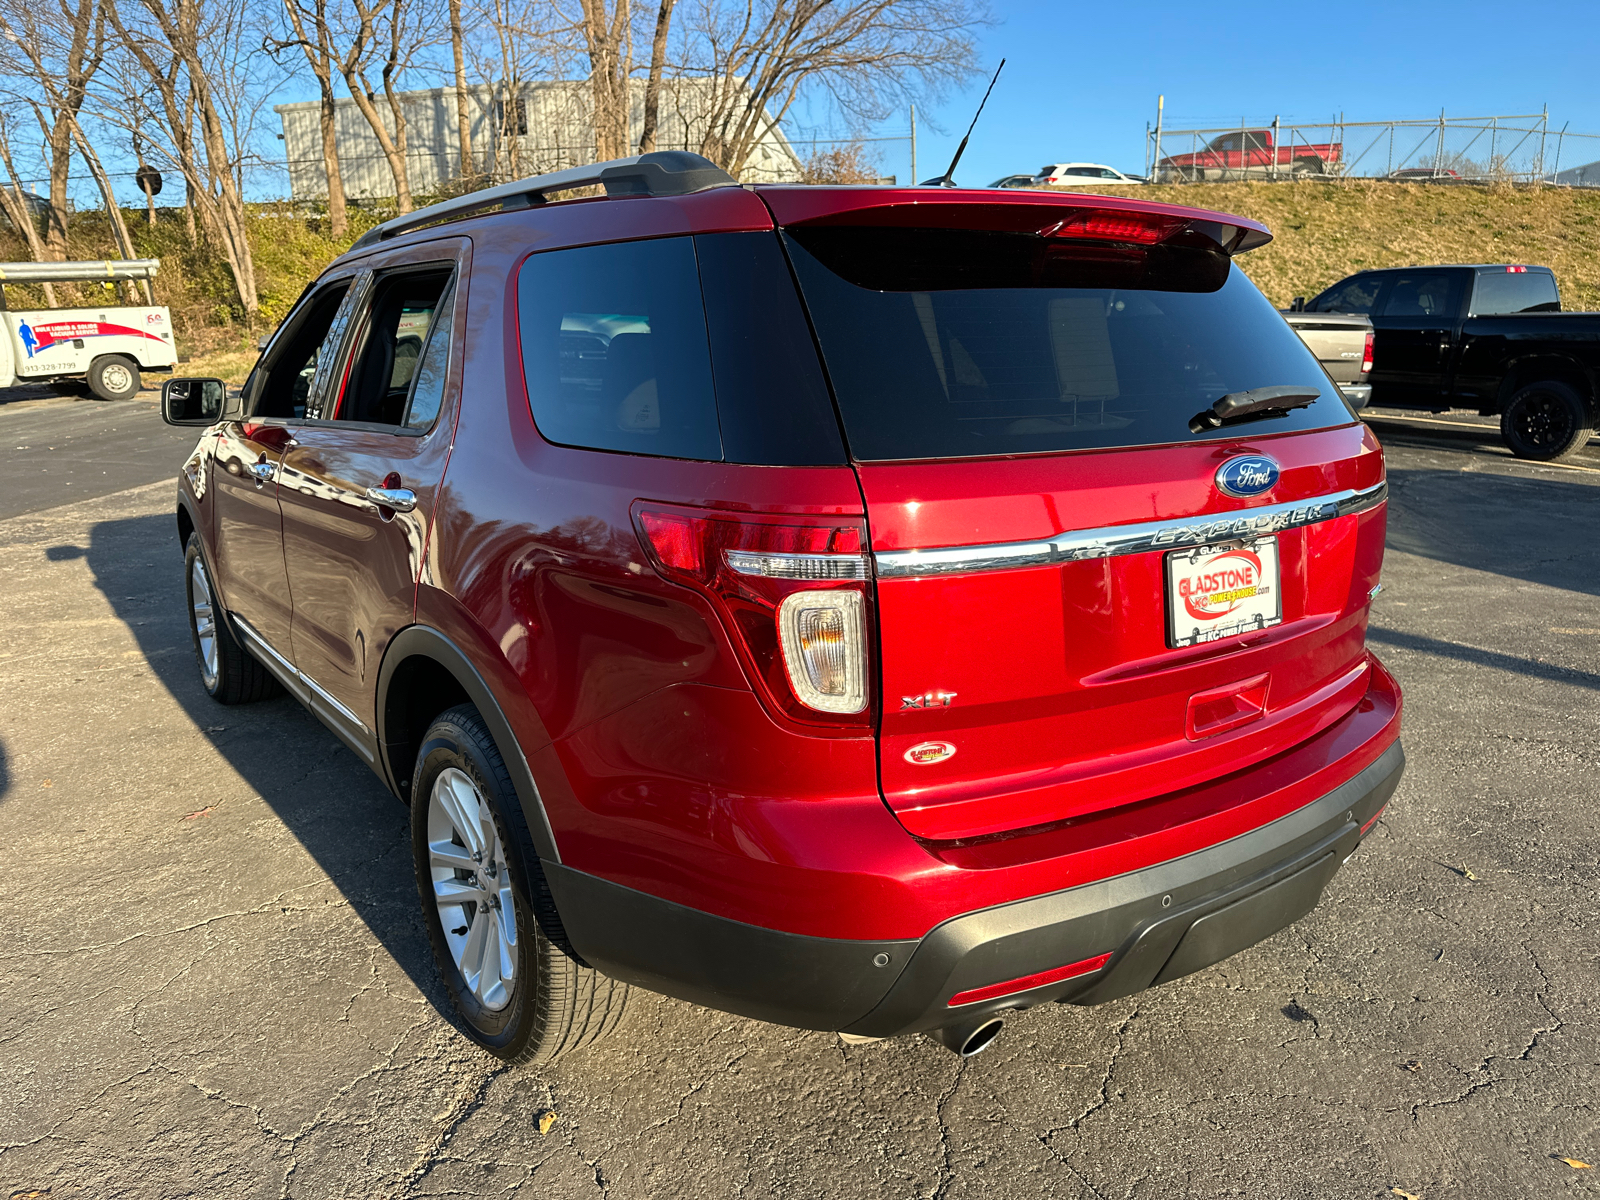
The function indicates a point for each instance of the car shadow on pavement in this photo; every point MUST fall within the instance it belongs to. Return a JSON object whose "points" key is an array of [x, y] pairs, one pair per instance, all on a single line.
{"points": [[1519, 526], [355, 830]]}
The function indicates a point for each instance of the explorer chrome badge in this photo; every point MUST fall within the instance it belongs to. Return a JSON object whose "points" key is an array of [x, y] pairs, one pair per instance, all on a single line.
{"points": [[1248, 475]]}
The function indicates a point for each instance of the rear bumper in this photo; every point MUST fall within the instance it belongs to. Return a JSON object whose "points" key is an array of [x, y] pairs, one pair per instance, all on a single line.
{"points": [[1359, 394], [1149, 926]]}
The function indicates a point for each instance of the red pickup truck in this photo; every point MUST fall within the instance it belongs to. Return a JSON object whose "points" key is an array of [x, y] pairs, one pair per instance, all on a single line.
{"points": [[1248, 154]]}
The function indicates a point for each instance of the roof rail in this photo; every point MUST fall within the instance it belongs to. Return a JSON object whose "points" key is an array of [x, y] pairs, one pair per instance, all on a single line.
{"points": [[660, 173]]}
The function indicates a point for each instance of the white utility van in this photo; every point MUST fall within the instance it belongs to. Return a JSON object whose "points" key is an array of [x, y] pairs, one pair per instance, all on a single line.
{"points": [[107, 345]]}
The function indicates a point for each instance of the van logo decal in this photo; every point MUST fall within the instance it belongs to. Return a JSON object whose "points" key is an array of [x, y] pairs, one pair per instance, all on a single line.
{"points": [[1248, 475], [929, 752]]}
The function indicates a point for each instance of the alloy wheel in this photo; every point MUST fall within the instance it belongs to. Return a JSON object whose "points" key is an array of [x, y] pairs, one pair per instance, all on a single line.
{"points": [[472, 887], [204, 613]]}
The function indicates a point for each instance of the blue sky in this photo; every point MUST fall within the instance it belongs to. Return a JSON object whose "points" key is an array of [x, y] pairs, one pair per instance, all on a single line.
{"points": [[1082, 79]]}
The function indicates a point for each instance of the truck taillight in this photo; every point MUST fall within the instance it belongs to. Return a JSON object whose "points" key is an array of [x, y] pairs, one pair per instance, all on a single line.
{"points": [[792, 592], [1366, 355]]}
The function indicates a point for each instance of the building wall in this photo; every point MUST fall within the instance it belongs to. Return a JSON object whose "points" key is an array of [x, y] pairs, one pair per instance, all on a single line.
{"points": [[554, 116]]}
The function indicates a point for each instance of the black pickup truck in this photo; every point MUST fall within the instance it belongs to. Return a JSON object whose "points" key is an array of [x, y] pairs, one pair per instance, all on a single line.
{"points": [[1492, 338]]}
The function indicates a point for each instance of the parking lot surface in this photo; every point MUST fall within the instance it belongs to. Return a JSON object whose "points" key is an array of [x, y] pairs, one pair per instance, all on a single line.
{"points": [[214, 980]]}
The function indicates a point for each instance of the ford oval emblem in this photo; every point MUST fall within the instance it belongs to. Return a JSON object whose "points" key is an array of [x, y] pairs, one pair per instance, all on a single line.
{"points": [[1248, 475]]}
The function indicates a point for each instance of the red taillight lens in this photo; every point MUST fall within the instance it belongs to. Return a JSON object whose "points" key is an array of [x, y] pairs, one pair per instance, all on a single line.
{"points": [[1144, 229], [1516, 270], [1366, 355], [792, 592]]}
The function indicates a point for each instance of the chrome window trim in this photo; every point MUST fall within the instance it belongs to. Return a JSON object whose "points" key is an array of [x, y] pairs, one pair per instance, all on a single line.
{"points": [[1114, 540]]}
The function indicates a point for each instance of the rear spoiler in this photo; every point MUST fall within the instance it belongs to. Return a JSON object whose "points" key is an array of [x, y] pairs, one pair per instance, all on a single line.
{"points": [[1101, 218]]}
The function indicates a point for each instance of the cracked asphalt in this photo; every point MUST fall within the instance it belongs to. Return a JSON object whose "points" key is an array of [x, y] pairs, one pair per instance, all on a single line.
{"points": [[214, 981]]}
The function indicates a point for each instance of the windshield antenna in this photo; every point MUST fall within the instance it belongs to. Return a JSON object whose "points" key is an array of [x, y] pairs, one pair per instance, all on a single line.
{"points": [[945, 180]]}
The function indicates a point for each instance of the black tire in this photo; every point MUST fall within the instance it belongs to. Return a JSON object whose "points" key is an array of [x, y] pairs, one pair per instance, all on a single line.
{"points": [[1545, 421], [233, 676], [114, 377], [555, 1003]]}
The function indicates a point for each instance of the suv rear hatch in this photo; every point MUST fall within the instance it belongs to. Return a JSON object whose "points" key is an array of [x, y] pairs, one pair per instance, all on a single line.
{"points": [[1086, 596]]}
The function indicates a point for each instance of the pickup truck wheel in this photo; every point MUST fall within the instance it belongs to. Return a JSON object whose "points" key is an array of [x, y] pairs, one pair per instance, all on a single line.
{"points": [[1545, 421], [114, 377], [228, 672], [519, 996]]}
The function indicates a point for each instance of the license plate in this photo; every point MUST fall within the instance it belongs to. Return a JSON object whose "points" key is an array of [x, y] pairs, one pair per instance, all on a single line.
{"points": [[1221, 591]]}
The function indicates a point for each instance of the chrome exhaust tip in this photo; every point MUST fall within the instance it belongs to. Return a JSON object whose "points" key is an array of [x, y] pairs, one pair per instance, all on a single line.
{"points": [[967, 1038]]}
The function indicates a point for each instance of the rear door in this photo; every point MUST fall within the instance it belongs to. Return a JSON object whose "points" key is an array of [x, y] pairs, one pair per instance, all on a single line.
{"points": [[1415, 324], [1083, 604]]}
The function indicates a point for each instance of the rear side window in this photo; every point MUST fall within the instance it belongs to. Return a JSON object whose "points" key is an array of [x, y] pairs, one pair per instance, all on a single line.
{"points": [[1500, 292], [614, 349], [1422, 294], [952, 343], [680, 347], [1354, 295]]}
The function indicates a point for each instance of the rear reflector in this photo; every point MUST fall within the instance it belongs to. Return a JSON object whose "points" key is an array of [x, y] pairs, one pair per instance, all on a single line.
{"points": [[1028, 982], [1372, 820]]}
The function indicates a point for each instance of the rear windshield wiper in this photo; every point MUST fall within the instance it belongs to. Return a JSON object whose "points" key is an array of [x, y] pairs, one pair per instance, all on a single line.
{"points": [[1257, 402]]}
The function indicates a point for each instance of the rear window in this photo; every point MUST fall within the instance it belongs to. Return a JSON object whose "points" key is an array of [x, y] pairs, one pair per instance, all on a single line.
{"points": [[1355, 295], [1500, 292], [955, 343]]}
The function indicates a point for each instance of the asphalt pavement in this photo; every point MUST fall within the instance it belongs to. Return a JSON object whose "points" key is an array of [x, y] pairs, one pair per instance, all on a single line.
{"points": [[215, 981]]}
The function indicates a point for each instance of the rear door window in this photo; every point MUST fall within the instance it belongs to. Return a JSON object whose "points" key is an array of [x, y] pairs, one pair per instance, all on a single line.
{"points": [[1355, 295], [1422, 294], [1500, 292], [951, 343]]}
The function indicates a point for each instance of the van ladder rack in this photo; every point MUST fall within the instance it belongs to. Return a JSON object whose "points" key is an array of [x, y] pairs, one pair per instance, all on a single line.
{"points": [[661, 173]]}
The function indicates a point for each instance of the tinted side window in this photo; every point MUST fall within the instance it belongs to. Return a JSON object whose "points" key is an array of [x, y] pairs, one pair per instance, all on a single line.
{"points": [[1422, 294], [1352, 296], [1504, 291], [772, 400], [614, 349], [388, 345]]}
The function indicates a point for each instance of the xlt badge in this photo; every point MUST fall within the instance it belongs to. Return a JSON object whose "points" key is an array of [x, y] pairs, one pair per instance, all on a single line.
{"points": [[933, 699]]}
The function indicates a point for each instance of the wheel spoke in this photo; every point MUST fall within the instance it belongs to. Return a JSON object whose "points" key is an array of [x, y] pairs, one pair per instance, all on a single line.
{"points": [[448, 892], [493, 958], [462, 812], [448, 854], [472, 952]]}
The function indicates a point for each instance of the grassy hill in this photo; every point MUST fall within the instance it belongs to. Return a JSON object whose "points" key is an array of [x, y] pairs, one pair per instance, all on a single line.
{"points": [[1323, 231]]}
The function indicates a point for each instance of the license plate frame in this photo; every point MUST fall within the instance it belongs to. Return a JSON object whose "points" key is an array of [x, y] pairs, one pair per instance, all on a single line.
{"points": [[1211, 608]]}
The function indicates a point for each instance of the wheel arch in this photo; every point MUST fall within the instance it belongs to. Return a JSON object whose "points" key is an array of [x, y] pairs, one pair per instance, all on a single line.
{"points": [[1540, 368], [423, 674]]}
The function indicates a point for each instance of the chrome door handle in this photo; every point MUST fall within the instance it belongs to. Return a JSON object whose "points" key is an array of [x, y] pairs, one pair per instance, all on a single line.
{"points": [[263, 471], [399, 499]]}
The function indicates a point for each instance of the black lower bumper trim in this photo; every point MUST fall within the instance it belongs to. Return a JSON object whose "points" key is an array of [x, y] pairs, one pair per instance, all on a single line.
{"points": [[1160, 923]]}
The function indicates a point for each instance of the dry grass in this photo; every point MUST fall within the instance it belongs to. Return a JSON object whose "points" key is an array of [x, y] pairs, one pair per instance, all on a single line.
{"points": [[1323, 231]]}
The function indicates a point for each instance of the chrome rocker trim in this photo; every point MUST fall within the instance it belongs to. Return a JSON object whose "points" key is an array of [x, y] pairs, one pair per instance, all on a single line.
{"points": [[1113, 540], [307, 690]]}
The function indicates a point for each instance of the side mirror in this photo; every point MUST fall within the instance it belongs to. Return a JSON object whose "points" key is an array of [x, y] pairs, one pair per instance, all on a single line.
{"points": [[192, 401], [1298, 304]]}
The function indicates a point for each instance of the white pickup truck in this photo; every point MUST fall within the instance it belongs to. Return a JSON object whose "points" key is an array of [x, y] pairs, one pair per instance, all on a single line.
{"points": [[106, 345]]}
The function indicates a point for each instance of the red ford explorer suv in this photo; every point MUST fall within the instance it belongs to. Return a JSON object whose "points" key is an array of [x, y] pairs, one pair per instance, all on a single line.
{"points": [[863, 609]]}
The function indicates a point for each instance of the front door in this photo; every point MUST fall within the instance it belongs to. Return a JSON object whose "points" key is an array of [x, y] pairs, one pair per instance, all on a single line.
{"points": [[358, 486], [1414, 329], [248, 542]]}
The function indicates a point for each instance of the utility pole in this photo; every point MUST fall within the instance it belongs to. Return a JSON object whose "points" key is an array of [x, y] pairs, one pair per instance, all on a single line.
{"points": [[1155, 162], [1438, 158], [914, 179]]}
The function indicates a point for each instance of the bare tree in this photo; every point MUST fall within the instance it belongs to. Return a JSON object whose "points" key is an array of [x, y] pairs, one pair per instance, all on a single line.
{"points": [[388, 34], [313, 33], [652, 87], [55, 50], [468, 161], [866, 54], [14, 203], [195, 62], [608, 38]]}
